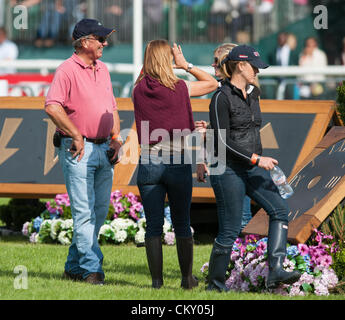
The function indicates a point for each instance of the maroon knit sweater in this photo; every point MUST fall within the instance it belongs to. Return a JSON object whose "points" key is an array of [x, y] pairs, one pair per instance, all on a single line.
{"points": [[162, 107]]}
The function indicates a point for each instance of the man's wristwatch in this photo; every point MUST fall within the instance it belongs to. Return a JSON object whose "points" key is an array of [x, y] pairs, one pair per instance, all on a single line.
{"points": [[189, 66]]}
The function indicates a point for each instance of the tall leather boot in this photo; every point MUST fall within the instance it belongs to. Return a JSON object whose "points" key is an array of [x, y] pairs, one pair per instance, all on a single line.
{"points": [[276, 248], [218, 264], [185, 259], [155, 260]]}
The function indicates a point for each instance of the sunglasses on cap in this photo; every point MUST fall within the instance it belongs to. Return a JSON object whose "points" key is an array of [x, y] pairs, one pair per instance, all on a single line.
{"points": [[216, 63]]}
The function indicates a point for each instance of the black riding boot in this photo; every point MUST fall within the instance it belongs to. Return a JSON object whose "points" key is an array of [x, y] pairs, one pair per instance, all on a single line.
{"points": [[277, 239], [155, 260], [185, 259], [218, 264]]}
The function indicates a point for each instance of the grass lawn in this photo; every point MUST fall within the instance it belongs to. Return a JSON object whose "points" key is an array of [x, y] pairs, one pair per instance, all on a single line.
{"points": [[127, 275]]}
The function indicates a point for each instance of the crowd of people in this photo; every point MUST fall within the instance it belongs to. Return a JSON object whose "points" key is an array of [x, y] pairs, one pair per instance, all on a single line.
{"points": [[217, 20]]}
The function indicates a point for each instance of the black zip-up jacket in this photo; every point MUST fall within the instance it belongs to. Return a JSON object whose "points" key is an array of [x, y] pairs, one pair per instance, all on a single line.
{"points": [[241, 118]]}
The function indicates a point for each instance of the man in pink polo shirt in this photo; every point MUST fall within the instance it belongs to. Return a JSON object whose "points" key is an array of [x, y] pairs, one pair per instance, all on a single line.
{"points": [[82, 105]]}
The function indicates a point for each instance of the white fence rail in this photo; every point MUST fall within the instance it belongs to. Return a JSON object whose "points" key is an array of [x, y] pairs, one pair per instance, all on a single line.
{"points": [[46, 66], [270, 77]]}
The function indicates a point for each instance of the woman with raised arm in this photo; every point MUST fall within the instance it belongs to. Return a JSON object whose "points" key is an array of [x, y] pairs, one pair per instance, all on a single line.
{"points": [[162, 109]]}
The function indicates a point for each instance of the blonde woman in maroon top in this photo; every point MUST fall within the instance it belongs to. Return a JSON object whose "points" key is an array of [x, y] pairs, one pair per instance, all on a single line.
{"points": [[162, 107]]}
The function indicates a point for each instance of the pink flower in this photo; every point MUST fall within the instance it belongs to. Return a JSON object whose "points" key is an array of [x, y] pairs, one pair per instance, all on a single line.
{"points": [[133, 214], [260, 249], [303, 249], [169, 238], [137, 206], [118, 207], [116, 194], [25, 229], [325, 261], [131, 197]]}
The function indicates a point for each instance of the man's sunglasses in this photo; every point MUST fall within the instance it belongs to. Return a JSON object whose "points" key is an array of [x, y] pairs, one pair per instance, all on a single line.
{"points": [[99, 39]]}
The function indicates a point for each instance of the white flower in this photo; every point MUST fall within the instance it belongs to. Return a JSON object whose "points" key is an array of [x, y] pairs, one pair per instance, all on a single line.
{"points": [[166, 226], [120, 236], [34, 237], [140, 236], [63, 239], [104, 229], [46, 223], [67, 224], [122, 224], [54, 228], [142, 223]]}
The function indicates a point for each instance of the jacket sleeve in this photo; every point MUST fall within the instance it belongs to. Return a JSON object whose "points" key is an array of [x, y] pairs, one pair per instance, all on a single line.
{"points": [[220, 119]]}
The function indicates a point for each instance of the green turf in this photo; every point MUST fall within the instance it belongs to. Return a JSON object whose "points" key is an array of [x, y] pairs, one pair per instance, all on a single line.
{"points": [[125, 266]]}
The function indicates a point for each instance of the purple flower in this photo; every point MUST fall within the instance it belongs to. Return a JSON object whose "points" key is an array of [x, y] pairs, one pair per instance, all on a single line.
{"points": [[204, 267]]}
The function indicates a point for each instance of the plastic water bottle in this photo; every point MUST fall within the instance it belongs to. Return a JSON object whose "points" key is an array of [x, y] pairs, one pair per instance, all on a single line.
{"points": [[280, 181]]}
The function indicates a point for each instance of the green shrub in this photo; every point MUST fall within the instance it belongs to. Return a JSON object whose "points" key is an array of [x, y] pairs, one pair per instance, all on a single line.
{"points": [[339, 264], [18, 211], [335, 225], [341, 101]]}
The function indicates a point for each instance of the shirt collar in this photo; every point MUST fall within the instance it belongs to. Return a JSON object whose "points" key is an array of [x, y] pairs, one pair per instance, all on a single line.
{"points": [[76, 59]]}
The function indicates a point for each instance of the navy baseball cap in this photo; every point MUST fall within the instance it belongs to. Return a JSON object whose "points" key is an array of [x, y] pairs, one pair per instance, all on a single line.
{"points": [[246, 53], [86, 27]]}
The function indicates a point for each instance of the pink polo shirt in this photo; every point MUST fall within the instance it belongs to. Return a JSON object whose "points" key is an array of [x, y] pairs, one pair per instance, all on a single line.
{"points": [[86, 95]]}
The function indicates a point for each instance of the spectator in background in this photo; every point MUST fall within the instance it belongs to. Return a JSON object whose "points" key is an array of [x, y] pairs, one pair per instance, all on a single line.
{"points": [[341, 59], [2, 12], [217, 20], [75, 11], [49, 28], [266, 6], [314, 57], [284, 53], [120, 14], [153, 16], [8, 51]]}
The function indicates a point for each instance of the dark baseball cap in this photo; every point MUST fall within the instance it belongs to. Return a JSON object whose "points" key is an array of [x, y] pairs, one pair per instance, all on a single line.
{"points": [[86, 27], [246, 53]]}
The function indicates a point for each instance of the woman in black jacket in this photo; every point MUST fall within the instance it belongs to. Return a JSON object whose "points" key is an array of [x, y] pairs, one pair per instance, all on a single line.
{"points": [[235, 117]]}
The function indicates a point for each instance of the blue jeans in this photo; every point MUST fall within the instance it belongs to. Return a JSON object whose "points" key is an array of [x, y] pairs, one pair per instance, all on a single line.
{"points": [[88, 184], [155, 181], [50, 23], [230, 189], [247, 213]]}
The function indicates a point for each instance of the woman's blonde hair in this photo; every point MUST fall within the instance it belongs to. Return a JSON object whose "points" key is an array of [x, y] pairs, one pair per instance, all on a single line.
{"points": [[158, 63]]}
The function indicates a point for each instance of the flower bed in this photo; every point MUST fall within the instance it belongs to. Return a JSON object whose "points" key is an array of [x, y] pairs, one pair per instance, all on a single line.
{"points": [[248, 268], [125, 222]]}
